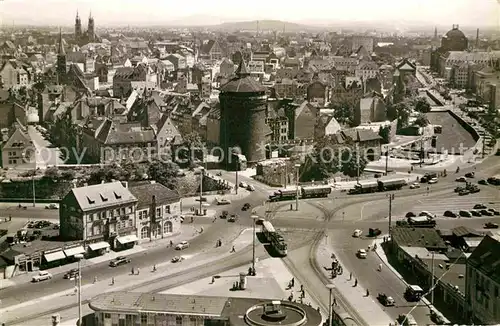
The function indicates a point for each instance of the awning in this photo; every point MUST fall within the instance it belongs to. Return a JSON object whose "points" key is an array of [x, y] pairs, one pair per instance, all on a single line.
{"points": [[98, 245], [74, 251], [127, 239], [54, 256]]}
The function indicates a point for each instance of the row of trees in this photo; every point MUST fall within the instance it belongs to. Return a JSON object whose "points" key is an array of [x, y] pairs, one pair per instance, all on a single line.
{"points": [[329, 158]]}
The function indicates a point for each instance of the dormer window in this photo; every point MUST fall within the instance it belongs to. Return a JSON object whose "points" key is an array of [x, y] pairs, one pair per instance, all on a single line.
{"points": [[117, 196], [90, 201], [103, 198]]}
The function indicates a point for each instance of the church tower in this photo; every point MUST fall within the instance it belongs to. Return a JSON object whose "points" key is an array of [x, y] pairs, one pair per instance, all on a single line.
{"points": [[78, 27], [91, 29], [61, 61]]}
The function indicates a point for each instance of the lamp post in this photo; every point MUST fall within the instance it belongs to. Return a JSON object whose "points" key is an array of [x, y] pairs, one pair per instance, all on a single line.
{"points": [[330, 287], [79, 257], [202, 174], [297, 166], [254, 218], [33, 187]]}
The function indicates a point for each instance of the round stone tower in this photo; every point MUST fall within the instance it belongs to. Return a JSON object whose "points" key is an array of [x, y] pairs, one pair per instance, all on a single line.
{"points": [[243, 116]]}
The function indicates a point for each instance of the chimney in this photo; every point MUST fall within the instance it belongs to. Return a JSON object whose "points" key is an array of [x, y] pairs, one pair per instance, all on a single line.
{"points": [[125, 184]]}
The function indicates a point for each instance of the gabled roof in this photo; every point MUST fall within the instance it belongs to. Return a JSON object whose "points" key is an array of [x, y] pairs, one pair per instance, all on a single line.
{"points": [[102, 195], [19, 138], [145, 192], [485, 257], [361, 135]]}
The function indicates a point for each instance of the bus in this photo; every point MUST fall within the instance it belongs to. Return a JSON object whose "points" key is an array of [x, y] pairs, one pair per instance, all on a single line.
{"points": [[315, 191], [276, 240], [283, 194]]}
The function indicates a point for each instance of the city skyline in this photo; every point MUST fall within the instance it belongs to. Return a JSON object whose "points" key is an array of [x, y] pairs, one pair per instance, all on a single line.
{"points": [[156, 12]]}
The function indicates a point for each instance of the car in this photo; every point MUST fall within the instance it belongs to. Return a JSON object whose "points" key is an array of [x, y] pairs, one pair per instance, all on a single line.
{"points": [[461, 179], [480, 206], [470, 175], [486, 212], [474, 189], [182, 245], [357, 233], [120, 260], [72, 273], [475, 213], [410, 214], [243, 184], [433, 181], [223, 201], [260, 221], [52, 206], [494, 211], [250, 188], [41, 276], [490, 225], [483, 182], [224, 214], [245, 207], [177, 259], [463, 192], [458, 189], [233, 218], [415, 186], [385, 300], [374, 232], [465, 214], [426, 213], [449, 214], [362, 253]]}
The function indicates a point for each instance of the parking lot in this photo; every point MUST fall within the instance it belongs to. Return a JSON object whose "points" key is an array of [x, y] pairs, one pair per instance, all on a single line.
{"points": [[453, 136]]}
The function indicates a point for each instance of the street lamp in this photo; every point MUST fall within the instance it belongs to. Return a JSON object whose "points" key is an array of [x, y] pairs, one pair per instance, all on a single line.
{"points": [[254, 218], [330, 287], [79, 257], [202, 174], [297, 166]]}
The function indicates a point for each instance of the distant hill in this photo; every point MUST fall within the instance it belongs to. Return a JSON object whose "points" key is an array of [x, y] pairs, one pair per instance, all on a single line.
{"points": [[264, 25]]}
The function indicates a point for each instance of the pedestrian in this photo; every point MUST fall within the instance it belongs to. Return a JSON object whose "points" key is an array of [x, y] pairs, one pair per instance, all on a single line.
{"points": [[154, 268], [171, 243], [233, 250], [138, 270], [350, 276], [367, 292], [95, 279], [213, 279], [317, 309], [355, 282], [133, 271], [112, 281], [301, 288], [334, 301], [379, 267], [293, 282]]}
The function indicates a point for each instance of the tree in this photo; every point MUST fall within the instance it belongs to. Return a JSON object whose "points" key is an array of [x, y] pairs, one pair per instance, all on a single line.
{"points": [[385, 133], [191, 143], [322, 162], [422, 120], [353, 162], [52, 173], [421, 105], [164, 173], [107, 174], [400, 111]]}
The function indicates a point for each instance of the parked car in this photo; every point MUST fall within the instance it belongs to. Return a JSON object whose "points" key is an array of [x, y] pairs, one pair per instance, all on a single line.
{"points": [[374, 232], [482, 182], [250, 188], [433, 181], [224, 214], [415, 186], [72, 273], [470, 175], [120, 260], [490, 225], [480, 206], [458, 189], [465, 214], [410, 214], [182, 245], [426, 213], [385, 300], [52, 206], [243, 184], [463, 192], [461, 179], [41, 276], [245, 207], [357, 233], [449, 214], [494, 211], [486, 212], [475, 213], [233, 218], [362, 253]]}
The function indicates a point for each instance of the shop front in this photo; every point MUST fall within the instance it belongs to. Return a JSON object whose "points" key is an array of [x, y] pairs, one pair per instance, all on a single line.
{"points": [[53, 258], [98, 248], [73, 251], [126, 242]]}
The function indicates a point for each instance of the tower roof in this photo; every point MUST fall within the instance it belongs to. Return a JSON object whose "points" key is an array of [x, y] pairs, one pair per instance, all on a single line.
{"points": [[60, 50], [243, 82]]}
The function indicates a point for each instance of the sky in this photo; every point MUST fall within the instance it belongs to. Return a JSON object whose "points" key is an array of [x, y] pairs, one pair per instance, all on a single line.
{"points": [[129, 12]]}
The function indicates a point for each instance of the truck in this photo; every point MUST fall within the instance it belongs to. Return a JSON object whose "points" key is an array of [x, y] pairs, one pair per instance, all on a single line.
{"points": [[315, 191], [283, 194], [391, 184], [364, 187]]}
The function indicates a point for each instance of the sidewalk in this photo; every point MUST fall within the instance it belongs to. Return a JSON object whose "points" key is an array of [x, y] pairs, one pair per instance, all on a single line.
{"points": [[124, 281], [366, 307], [187, 232]]}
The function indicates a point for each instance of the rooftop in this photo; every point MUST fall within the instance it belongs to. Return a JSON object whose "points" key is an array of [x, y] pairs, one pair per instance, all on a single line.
{"points": [[102, 195], [418, 237]]}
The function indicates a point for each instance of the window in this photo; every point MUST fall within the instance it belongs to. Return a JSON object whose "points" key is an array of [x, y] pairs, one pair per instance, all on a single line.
{"points": [[178, 321], [168, 227], [90, 217], [158, 212], [144, 318], [167, 209], [107, 316], [145, 232], [130, 223], [123, 224], [97, 229], [123, 210]]}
